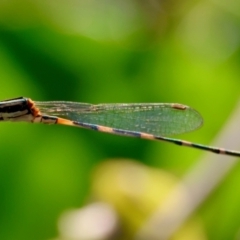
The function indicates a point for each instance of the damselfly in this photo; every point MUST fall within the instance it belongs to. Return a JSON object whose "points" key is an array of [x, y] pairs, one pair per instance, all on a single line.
{"points": [[153, 121]]}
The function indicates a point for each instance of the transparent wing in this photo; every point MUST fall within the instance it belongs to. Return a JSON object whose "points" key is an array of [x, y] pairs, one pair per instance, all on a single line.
{"points": [[159, 119]]}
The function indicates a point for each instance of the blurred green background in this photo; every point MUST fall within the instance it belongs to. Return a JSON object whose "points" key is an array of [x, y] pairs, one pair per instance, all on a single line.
{"points": [[105, 52]]}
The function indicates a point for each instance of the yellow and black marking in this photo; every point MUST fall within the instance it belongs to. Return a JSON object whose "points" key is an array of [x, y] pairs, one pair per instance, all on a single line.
{"points": [[147, 136]]}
